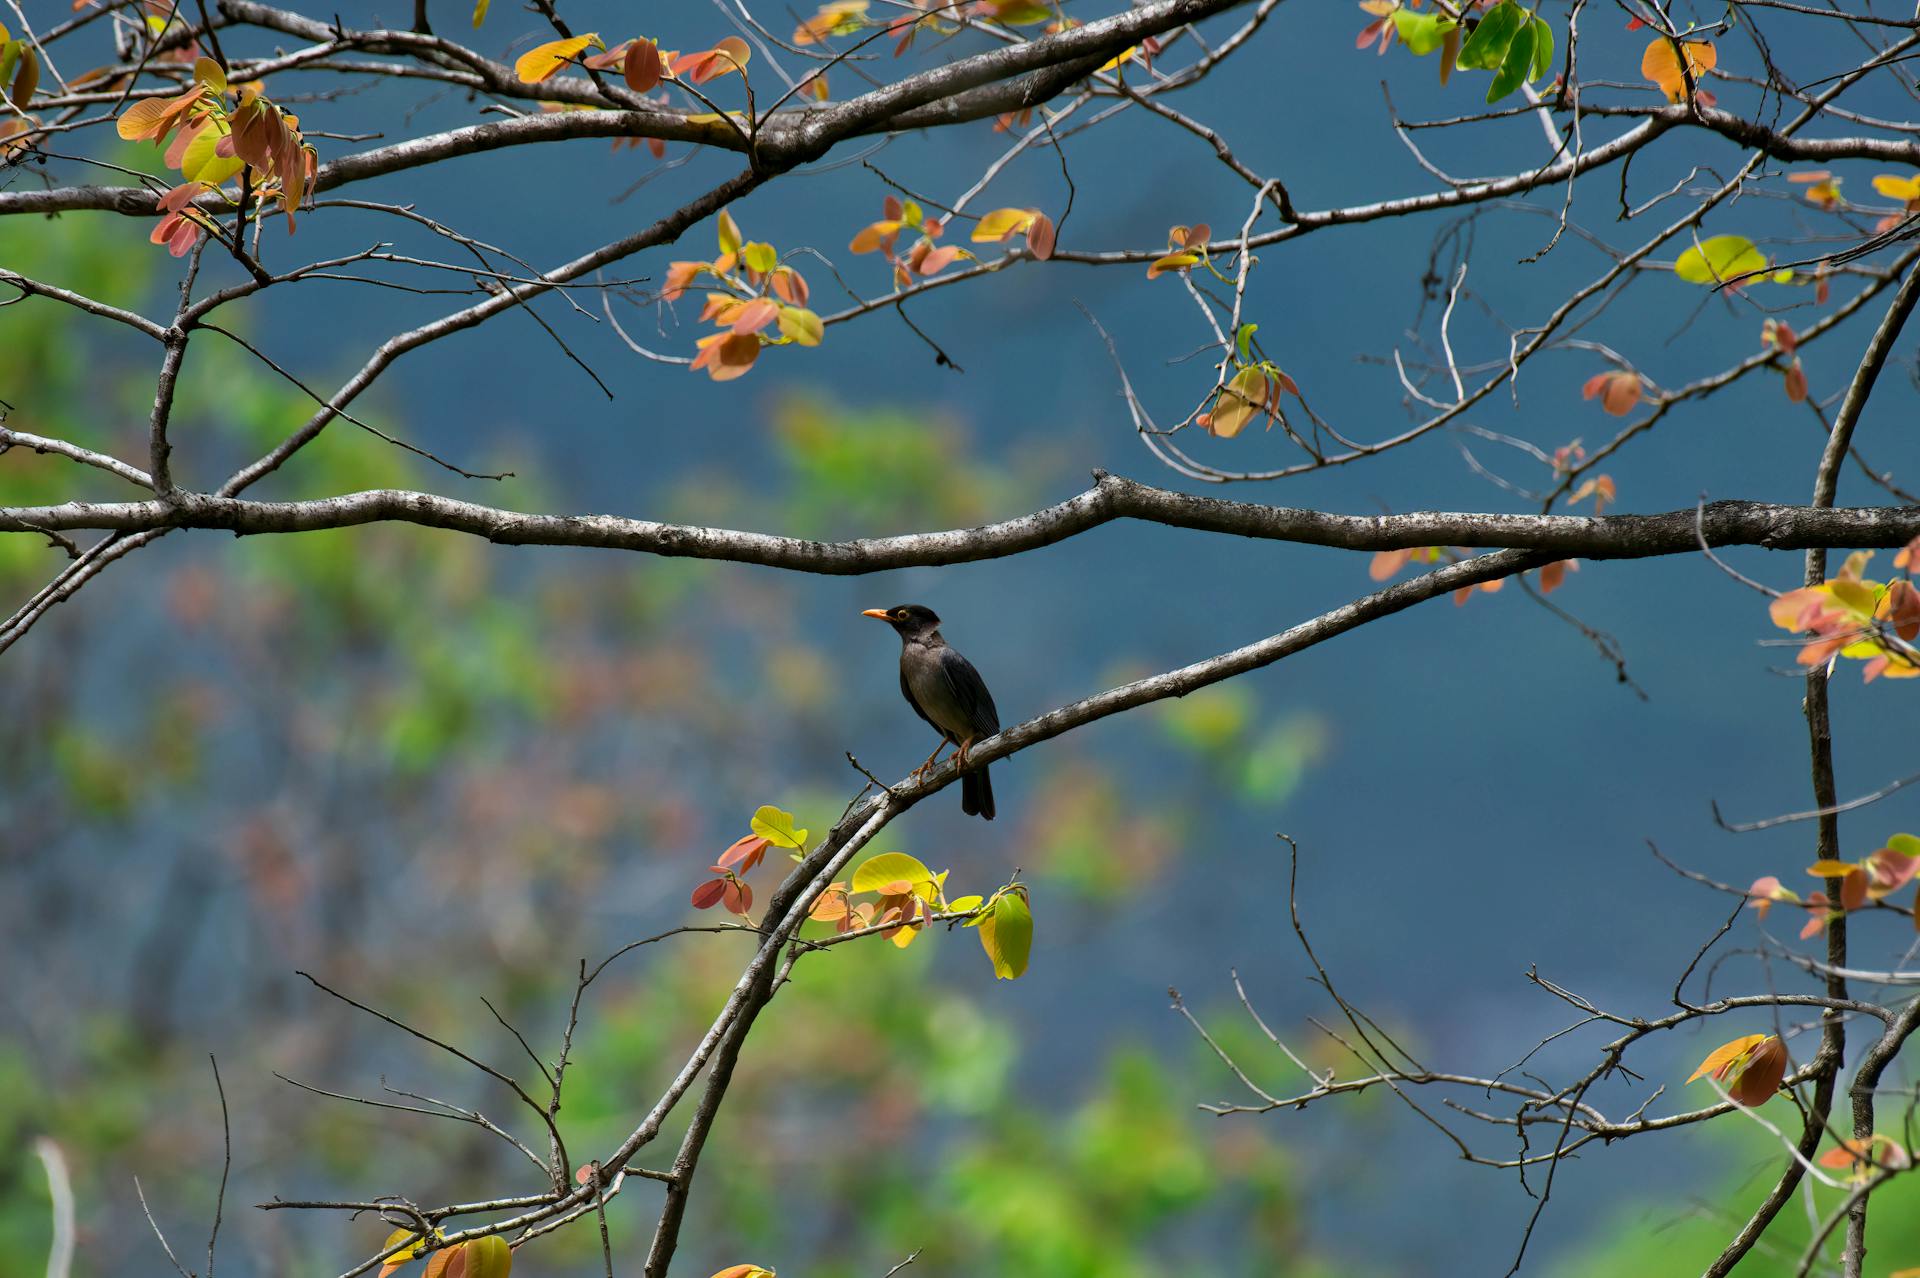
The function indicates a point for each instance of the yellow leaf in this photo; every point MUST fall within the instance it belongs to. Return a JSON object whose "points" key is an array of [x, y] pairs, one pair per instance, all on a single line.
{"points": [[1832, 869], [893, 867], [776, 827], [1902, 189], [479, 12], [541, 61], [1001, 223], [399, 1258], [1238, 401], [209, 73], [1171, 262]]}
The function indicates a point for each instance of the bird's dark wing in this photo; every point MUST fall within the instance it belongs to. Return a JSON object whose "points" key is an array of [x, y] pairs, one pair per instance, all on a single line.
{"points": [[970, 694]]}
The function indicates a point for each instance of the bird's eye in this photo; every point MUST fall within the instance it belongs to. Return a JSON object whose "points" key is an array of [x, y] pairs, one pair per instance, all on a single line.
{"points": [[901, 615]]}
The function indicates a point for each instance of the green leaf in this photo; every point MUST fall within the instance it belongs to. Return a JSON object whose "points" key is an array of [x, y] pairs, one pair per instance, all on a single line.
{"points": [[760, 256], [887, 868], [1007, 934], [1905, 844], [1244, 338], [912, 215], [1542, 49], [1422, 33], [480, 12], [961, 904], [1514, 67], [1722, 257], [1020, 14], [801, 325], [198, 163], [776, 827], [1486, 48]]}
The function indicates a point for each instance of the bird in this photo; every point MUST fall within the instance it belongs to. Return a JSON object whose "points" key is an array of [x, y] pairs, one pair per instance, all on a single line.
{"points": [[944, 689]]}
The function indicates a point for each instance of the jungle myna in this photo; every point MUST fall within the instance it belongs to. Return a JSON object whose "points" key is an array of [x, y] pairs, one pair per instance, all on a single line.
{"points": [[944, 689]]}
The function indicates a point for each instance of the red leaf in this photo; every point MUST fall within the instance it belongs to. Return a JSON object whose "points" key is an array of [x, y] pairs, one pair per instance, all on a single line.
{"points": [[1765, 1069], [641, 70], [744, 852], [1040, 236], [1816, 915], [937, 260], [708, 894]]}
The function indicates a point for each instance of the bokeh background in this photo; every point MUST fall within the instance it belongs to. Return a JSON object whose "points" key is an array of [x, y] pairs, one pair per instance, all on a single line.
{"points": [[429, 770]]}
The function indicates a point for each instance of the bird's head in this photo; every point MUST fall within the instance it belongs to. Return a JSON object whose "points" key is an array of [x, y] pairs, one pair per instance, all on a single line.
{"points": [[911, 621]]}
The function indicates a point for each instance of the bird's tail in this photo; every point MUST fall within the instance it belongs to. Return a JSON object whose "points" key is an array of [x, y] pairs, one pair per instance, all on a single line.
{"points": [[976, 794]]}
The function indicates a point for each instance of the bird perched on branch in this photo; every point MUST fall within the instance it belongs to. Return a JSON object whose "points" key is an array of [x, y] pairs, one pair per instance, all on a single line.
{"points": [[944, 689]]}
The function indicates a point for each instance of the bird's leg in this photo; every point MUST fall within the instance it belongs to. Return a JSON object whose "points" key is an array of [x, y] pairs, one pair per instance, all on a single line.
{"points": [[923, 768], [963, 753]]}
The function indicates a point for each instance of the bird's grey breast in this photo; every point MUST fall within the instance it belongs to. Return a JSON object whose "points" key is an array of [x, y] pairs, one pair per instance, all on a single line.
{"points": [[947, 690]]}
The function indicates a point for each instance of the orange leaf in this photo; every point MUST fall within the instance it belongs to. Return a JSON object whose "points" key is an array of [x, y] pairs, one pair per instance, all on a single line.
{"points": [[874, 236], [1724, 1057], [1618, 390], [1388, 562], [1853, 889], [1751, 1067], [726, 356], [1662, 66], [756, 315], [1555, 573], [728, 56]]}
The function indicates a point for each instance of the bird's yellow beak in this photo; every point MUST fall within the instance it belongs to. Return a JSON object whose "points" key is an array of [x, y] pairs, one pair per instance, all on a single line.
{"points": [[881, 613]]}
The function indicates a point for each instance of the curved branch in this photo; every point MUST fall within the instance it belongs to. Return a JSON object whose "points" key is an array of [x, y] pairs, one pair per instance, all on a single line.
{"points": [[1724, 523]]}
